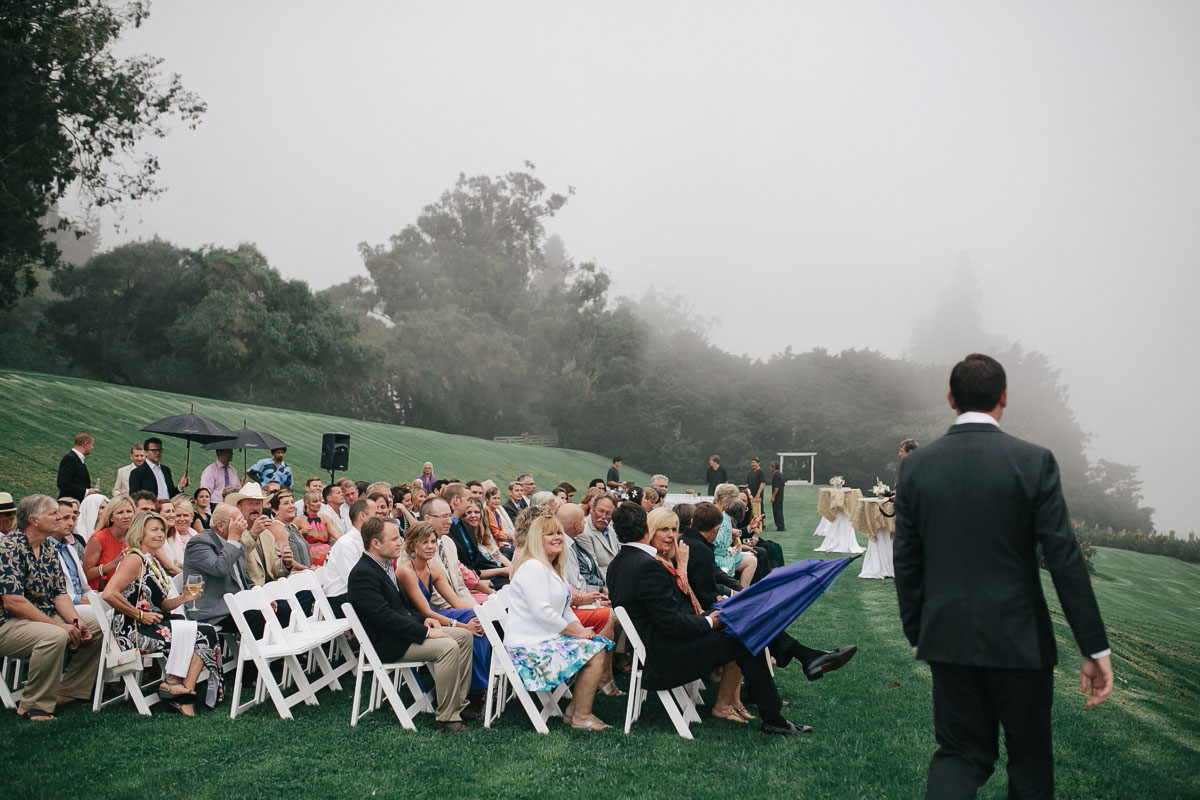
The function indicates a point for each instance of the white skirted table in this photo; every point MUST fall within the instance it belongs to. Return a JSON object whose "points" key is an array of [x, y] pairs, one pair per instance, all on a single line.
{"points": [[834, 506], [868, 519]]}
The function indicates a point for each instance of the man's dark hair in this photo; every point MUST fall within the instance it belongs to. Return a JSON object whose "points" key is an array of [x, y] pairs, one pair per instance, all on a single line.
{"points": [[977, 382], [598, 482], [152, 440], [375, 497], [328, 490], [568, 487], [360, 506], [617, 459], [705, 516], [373, 529], [775, 465], [142, 494], [908, 445], [361, 486], [684, 511], [470, 484], [629, 521]]}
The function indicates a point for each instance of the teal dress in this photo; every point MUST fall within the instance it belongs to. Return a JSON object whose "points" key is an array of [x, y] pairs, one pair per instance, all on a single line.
{"points": [[721, 545]]}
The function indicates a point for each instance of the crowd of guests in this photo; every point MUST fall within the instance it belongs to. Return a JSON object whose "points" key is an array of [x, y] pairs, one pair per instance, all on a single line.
{"points": [[415, 560]]}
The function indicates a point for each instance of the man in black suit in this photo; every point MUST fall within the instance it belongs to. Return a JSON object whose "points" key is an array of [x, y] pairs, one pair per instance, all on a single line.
{"points": [[971, 509], [516, 502], [681, 646], [153, 476], [399, 633], [73, 477]]}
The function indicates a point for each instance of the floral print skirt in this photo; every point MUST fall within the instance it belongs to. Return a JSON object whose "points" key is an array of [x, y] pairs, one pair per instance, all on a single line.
{"points": [[554, 661]]}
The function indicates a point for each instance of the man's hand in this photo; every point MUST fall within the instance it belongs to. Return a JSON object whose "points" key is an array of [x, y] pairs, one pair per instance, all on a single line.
{"points": [[237, 526], [1095, 680], [432, 624], [85, 633], [716, 620], [261, 523], [73, 634], [182, 484]]}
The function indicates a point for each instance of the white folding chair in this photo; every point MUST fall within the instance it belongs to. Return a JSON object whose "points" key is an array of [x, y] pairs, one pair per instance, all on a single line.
{"points": [[11, 680], [331, 631], [274, 645], [680, 702], [323, 618], [385, 679], [135, 685], [503, 678]]}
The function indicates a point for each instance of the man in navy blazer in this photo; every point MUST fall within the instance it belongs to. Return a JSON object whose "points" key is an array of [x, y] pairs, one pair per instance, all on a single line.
{"points": [[398, 632], [971, 510], [145, 478], [74, 480]]}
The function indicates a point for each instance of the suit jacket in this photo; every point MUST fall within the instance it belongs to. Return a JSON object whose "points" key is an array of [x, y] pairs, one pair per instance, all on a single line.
{"points": [[73, 477], [469, 554], [217, 560], [512, 509], [262, 562], [707, 581], [142, 479], [971, 509], [589, 570], [603, 545], [391, 623], [678, 643], [122, 483]]}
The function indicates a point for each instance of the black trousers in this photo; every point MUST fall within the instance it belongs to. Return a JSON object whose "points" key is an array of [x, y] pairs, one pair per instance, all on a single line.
{"points": [[777, 514], [699, 656], [969, 706]]}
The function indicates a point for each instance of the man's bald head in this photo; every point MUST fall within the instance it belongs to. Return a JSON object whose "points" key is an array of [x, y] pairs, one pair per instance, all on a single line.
{"points": [[570, 516]]}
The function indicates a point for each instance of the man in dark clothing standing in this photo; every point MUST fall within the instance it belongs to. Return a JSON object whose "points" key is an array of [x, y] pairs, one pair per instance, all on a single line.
{"points": [[777, 495], [73, 477], [715, 475], [614, 474], [755, 481]]}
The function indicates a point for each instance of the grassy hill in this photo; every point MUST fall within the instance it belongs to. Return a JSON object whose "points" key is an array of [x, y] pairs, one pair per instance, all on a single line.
{"points": [[40, 413]]}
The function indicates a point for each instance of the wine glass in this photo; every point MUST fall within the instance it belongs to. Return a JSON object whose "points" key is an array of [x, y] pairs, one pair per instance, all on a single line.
{"points": [[194, 584]]}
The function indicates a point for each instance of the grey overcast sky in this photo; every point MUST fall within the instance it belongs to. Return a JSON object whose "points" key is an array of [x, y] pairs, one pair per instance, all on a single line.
{"points": [[804, 173]]}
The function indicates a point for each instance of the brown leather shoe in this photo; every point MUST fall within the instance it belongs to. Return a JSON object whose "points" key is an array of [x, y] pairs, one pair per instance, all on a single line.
{"points": [[469, 714], [450, 727]]}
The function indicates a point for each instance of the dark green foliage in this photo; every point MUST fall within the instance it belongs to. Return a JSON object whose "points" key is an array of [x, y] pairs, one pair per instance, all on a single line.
{"points": [[73, 115]]}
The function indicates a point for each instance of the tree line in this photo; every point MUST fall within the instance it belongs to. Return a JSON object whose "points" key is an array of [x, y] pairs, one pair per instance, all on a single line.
{"points": [[471, 320]]}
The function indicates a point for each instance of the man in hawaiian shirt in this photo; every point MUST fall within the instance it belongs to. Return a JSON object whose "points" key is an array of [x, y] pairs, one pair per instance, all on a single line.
{"points": [[273, 469]]}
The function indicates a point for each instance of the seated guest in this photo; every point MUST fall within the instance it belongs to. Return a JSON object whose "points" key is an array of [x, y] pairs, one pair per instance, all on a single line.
{"points": [[589, 497], [103, 551], [747, 539], [337, 518], [143, 501], [402, 506], [420, 495], [498, 564], [69, 558], [499, 524], [516, 502], [316, 528], [649, 499], [437, 512], [465, 537], [733, 560], [707, 580], [216, 556], [37, 619], [421, 577], [173, 553], [182, 532], [350, 493], [566, 492], [68, 512], [598, 537], [89, 515], [547, 499], [381, 502], [141, 594], [588, 589], [398, 633], [8, 513], [681, 645], [201, 505], [344, 556], [548, 644], [283, 506]]}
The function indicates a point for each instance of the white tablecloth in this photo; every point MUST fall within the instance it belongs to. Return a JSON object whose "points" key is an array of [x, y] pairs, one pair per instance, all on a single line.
{"points": [[840, 537]]}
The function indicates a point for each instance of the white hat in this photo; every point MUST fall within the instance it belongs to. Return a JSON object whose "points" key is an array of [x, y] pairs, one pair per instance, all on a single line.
{"points": [[249, 491]]}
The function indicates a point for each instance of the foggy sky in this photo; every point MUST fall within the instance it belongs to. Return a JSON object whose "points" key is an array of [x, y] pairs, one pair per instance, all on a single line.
{"points": [[805, 174]]}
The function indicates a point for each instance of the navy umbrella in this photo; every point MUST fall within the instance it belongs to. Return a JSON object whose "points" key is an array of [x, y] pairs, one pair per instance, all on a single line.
{"points": [[759, 613], [191, 427]]}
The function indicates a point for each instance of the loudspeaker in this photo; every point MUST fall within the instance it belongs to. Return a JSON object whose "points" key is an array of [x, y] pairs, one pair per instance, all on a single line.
{"points": [[335, 452]]}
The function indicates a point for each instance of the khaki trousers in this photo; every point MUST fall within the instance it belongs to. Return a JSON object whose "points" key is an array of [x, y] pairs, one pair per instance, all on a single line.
{"points": [[43, 645], [755, 506], [451, 670]]}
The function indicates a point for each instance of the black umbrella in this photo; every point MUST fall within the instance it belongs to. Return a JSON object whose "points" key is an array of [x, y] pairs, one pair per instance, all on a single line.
{"points": [[246, 439], [193, 428]]}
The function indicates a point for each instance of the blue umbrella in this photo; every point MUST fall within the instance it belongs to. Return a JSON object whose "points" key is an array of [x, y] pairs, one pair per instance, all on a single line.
{"points": [[759, 613]]}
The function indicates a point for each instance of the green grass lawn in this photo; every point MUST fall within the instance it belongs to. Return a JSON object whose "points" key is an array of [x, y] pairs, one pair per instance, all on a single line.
{"points": [[873, 725]]}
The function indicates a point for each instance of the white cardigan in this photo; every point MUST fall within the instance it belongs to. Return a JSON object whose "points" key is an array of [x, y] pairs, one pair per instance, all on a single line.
{"points": [[539, 605]]}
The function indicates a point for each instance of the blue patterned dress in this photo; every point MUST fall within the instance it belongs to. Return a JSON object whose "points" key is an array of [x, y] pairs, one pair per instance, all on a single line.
{"points": [[721, 546]]}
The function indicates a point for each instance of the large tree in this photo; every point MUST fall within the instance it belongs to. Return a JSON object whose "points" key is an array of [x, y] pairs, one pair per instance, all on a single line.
{"points": [[73, 115]]}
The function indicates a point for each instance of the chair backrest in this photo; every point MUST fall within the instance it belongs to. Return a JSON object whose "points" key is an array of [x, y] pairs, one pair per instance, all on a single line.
{"points": [[254, 599], [308, 581], [366, 649], [177, 583], [279, 591], [631, 633], [491, 616]]}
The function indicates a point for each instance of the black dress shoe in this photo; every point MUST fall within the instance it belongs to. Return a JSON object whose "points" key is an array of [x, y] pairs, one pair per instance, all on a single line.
{"points": [[787, 729], [834, 659], [469, 714], [450, 727]]}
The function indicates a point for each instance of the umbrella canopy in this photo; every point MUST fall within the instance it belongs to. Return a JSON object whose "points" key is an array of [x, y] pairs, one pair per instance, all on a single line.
{"points": [[759, 613], [246, 439], [190, 427]]}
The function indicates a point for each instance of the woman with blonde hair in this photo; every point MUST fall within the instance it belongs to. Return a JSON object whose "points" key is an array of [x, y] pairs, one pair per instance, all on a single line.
{"points": [[141, 594], [179, 530], [103, 551], [546, 641]]}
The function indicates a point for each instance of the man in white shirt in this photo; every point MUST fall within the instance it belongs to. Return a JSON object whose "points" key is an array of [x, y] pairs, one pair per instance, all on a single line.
{"points": [[344, 555], [68, 557], [137, 457]]}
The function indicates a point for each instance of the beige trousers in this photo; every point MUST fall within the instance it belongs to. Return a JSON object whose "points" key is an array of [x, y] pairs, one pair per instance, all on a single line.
{"points": [[451, 670], [43, 645], [755, 506]]}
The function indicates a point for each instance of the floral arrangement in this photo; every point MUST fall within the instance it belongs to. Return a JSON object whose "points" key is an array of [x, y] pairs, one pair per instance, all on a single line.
{"points": [[880, 488], [837, 481]]}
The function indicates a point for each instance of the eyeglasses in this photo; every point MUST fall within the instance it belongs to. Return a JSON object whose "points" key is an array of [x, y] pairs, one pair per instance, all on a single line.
{"points": [[154, 450], [438, 516]]}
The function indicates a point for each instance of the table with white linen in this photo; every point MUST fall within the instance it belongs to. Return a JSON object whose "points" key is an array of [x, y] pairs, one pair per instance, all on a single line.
{"points": [[834, 505], [868, 518]]}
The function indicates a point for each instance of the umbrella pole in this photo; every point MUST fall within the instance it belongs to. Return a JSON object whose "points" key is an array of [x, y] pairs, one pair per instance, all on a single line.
{"points": [[187, 459]]}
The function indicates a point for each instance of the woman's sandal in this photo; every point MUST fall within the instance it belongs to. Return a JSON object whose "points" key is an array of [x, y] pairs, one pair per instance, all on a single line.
{"points": [[165, 692], [728, 713], [590, 723], [746, 715], [612, 690]]}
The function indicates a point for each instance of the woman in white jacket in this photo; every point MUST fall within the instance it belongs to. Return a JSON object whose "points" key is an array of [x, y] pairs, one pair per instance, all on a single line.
{"points": [[547, 642]]}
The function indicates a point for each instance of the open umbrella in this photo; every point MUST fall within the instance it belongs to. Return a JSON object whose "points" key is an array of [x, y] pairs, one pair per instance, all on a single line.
{"points": [[246, 439], [759, 613], [191, 427]]}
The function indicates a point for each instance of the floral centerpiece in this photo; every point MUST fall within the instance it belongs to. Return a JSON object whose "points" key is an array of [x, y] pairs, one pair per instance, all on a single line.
{"points": [[880, 488], [837, 481]]}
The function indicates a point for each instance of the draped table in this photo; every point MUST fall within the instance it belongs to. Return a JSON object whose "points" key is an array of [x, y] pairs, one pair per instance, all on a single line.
{"points": [[868, 519], [834, 506]]}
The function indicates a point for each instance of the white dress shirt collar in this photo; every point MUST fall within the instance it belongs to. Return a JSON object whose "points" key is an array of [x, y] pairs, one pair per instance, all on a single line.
{"points": [[82, 457], [645, 548], [968, 417]]}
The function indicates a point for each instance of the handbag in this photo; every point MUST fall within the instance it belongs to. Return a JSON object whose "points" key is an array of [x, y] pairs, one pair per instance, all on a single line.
{"points": [[126, 661]]}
